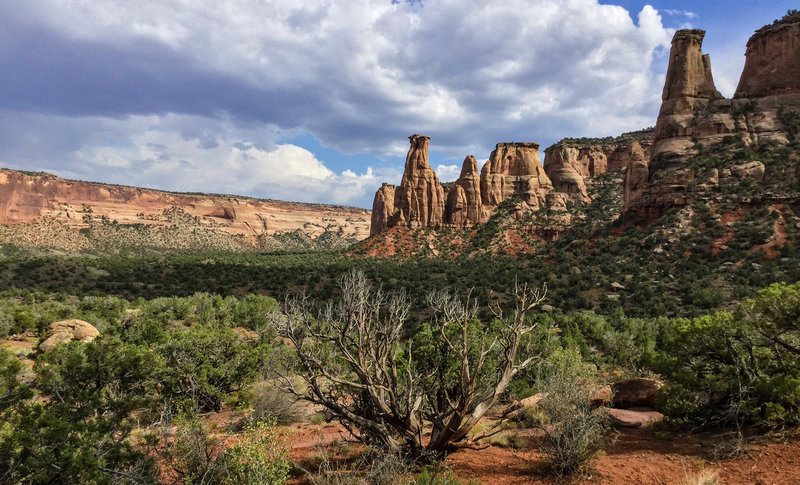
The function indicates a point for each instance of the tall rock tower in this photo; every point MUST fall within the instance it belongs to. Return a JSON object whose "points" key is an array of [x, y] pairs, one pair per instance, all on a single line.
{"points": [[464, 206], [419, 200]]}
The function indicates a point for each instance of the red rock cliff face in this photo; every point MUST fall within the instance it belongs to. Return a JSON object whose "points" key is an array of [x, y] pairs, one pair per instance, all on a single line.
{"points": [[570, 162], [515, 169], [688, 91], [772, 63], [693, 112], [382, 209], [419, 200], [464, 205], [25, 198]]}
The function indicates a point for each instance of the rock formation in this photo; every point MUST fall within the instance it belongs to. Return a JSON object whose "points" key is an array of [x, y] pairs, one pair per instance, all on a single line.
{"points": [[66, 331], [419, 200], [515, 169], [564, 164], [636, 177], [464, 205], [382, 209], [570, 162], [693, 114], [772, 64], [30, 198], [688, 91]]}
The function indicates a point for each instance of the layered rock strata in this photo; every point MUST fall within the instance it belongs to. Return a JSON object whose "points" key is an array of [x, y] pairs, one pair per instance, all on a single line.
{"points": [[693, 114], [29, 197], [570, 162], [515, 169], [772, 64], [419, 200], [382, 209]]}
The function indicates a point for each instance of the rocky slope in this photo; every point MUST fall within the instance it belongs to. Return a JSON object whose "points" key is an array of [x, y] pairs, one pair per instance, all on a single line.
{"points": [[44, 210]]}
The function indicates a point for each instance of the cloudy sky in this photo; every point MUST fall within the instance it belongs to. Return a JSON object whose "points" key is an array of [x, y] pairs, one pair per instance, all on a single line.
{"points": [[313, 100]]}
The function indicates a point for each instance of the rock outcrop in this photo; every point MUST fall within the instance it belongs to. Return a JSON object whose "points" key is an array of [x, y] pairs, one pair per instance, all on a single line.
{"points": [[464, 205], [515, 169], [570, 162], [382, 209], [694, 115], [419, 200], [688, 91], [28, 199], [772, 62], [66, 331], [636, 177]]}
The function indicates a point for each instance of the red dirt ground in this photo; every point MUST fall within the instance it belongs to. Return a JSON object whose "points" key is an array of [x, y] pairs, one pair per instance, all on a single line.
{"points": [[637, 457]]}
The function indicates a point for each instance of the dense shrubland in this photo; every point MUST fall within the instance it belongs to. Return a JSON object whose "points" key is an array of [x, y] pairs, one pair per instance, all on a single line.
{"points": [[97, 413]]}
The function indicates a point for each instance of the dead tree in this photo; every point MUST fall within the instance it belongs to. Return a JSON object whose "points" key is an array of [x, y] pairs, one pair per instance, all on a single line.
{"points": [[356, 362]]}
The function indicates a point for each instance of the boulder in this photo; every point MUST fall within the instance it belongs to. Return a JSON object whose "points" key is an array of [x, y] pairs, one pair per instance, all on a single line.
{"points": [[639, 392], [751, 170], [601, 396], [634, 418], [66, 331]]}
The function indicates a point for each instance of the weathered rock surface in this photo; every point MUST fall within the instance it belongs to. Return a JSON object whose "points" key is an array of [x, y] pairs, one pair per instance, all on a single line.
{"points": [[464, 205], [66, 331], [694, 114], [419, 200], [638, 392], [27, 198], [636, 177], [515, 169], [382, 209], [570, 162], [688, 90], [772, 60], [634, 418]]}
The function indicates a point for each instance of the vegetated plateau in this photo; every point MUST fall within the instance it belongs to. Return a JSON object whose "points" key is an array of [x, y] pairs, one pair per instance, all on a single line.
{"points": [[627, 311]]}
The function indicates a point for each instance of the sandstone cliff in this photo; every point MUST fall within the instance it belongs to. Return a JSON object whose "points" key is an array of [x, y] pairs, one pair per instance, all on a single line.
{"points": [[515, 169], [29, 203], [772, 63], [419, 200], [464, 204], [571, 161], [382, 209], [695, 122], [689, 92]]}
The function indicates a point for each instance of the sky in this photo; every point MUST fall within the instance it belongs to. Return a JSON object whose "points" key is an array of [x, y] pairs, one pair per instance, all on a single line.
{"points": [[313, 100]]}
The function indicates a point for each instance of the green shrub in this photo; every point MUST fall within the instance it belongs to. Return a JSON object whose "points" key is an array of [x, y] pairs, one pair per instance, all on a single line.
{"points": [[259, 456]]}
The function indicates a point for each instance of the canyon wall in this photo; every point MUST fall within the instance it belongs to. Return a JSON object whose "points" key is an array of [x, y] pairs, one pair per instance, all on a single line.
{"points": [[27, 198]]}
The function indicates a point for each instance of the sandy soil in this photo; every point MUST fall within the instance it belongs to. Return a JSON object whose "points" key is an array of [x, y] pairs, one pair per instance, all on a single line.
{"points": [[637, 457]]}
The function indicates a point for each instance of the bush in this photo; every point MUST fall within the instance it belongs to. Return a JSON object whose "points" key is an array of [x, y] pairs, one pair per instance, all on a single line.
{"points": [[258, 456], [271, 401], [573, 432]]}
